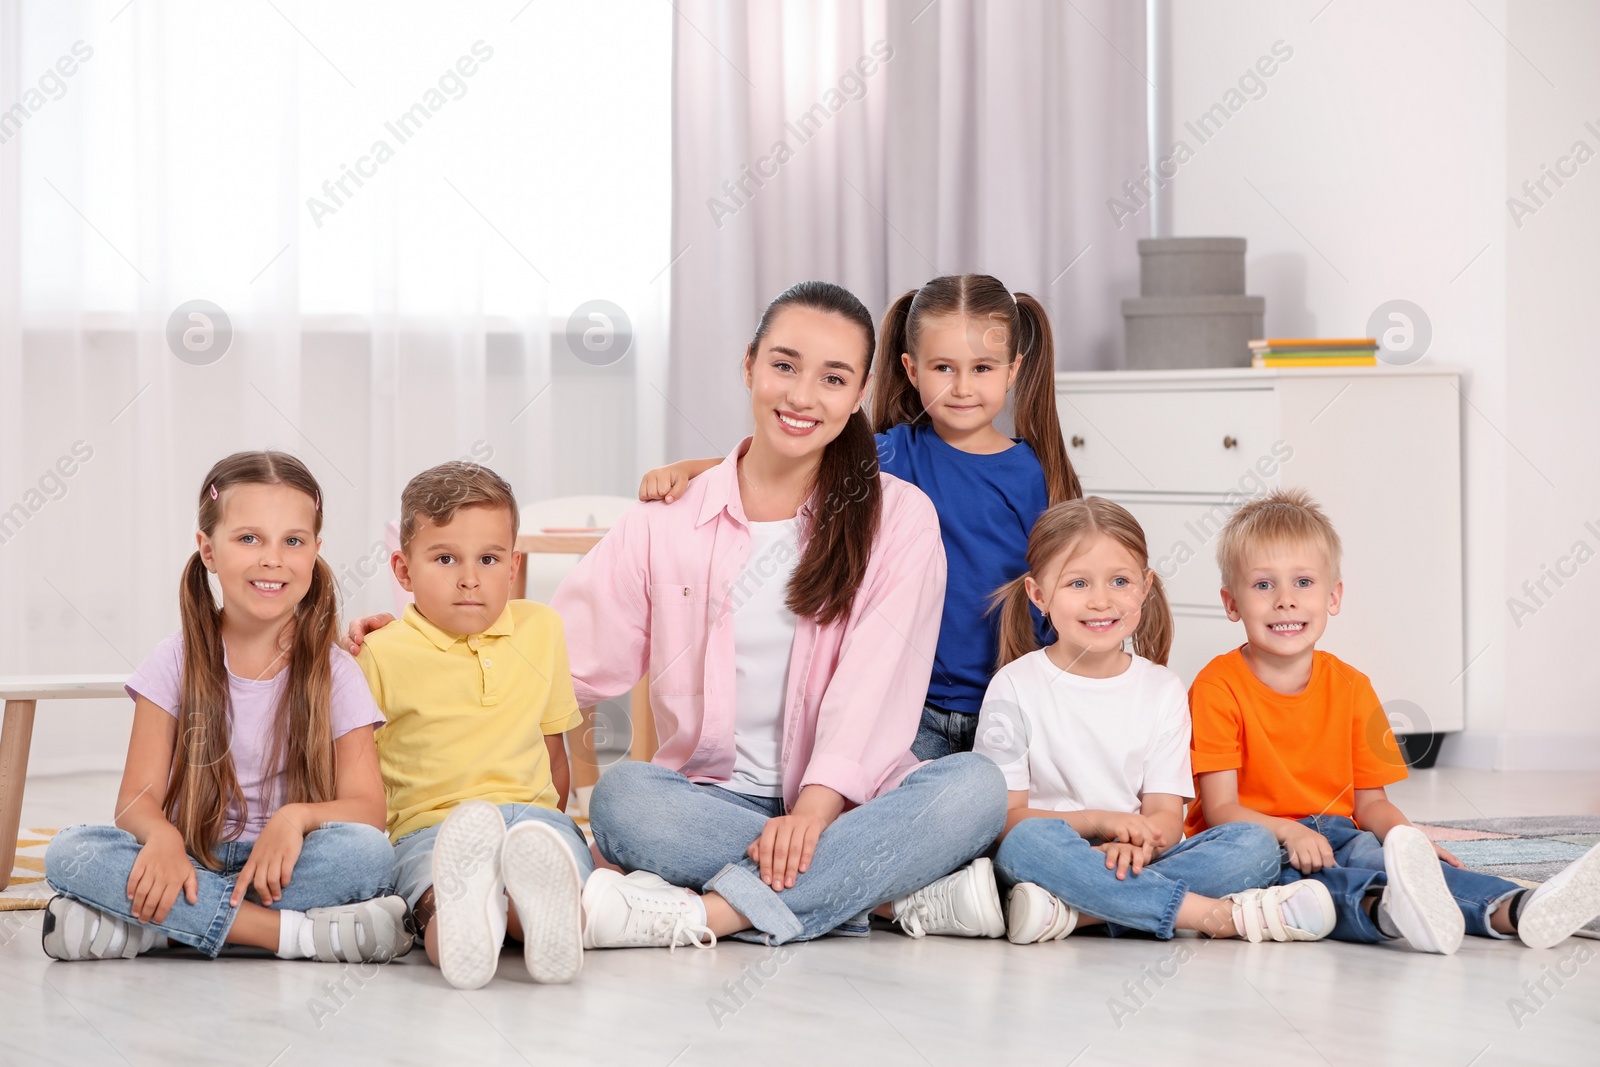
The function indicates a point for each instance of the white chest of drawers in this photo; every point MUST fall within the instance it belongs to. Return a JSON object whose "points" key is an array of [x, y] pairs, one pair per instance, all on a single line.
{"points": [[1379, 448]]}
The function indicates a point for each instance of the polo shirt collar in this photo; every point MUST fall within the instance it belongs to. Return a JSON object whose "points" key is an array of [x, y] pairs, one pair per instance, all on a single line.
{"points": [[443, 639], [722, 490]]}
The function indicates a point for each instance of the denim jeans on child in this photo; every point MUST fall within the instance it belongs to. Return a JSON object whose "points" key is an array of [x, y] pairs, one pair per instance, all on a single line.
{"points": [[1359, 859], [340, 863], [413, 853], [940, 817], [1222, 860], [943, 733]]}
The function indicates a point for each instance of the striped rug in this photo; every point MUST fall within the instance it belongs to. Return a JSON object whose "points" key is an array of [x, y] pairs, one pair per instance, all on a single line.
{"points": [[28, 890], [1524, 849]]}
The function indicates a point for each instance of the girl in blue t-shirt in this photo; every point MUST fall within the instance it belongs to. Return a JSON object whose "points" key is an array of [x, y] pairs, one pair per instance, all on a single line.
{"points": [[964, 342]]}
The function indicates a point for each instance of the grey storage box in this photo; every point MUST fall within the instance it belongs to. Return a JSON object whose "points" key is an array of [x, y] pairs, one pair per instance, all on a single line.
{"points": [[1191, 266], [1186, 332]]}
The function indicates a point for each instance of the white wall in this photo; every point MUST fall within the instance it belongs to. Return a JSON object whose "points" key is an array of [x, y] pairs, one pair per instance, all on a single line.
{"points": [[1376, 166]]}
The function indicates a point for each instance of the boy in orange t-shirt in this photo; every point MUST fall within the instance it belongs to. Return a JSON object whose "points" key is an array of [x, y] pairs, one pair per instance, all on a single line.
{"points": [[1295, 739]]}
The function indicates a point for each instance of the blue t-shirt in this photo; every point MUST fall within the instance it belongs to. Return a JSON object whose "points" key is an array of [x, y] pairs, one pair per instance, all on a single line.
{"points": [[987, 507]]}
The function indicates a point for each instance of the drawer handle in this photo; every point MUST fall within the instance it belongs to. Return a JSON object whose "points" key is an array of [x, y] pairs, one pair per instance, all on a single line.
{"points": [[1077, 442], [1230, 442]]}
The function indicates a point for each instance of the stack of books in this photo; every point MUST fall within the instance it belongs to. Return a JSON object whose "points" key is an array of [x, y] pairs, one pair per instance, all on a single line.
{"points": [[1314, 352]]}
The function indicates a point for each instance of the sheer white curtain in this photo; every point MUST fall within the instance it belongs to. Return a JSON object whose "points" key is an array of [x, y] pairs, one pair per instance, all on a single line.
{"points": [[879, 143], [397, 207]]}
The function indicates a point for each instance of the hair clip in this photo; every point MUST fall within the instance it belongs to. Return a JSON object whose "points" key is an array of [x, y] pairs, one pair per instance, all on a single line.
{"points": [[213, 490]]}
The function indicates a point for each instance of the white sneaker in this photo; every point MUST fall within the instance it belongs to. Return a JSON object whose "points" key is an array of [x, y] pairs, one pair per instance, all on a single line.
{"points": [[1034, 914], [1298, 911], [963, 904], [642, 910], [73, 930], [468, 895], [1564, 904], [541, 877], [1417, 901]]}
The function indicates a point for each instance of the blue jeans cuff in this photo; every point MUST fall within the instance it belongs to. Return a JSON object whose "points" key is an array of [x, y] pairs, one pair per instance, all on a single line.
{"points": [[755, 900]]}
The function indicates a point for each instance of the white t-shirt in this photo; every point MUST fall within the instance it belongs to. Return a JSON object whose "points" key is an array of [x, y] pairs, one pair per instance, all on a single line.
{"points": [[1078, 743], [763, 636]]}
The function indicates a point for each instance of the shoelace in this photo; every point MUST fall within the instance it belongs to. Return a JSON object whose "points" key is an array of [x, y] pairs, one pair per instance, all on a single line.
{"points": [[651, 922], [927, 910]]}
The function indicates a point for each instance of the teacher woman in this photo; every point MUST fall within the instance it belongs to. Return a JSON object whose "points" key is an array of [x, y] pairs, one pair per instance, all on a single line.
{"points": [[786, 610]]}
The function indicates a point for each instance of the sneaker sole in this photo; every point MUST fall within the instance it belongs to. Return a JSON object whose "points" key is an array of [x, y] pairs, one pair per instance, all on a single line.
{"points": [[1415, 874], [1022, 905], [993, 918], [542, 878], [1564, 910], [468, 848]]}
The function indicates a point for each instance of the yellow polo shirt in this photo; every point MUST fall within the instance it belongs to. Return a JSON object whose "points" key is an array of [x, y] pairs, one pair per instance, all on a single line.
{"points": [[467, 715]]}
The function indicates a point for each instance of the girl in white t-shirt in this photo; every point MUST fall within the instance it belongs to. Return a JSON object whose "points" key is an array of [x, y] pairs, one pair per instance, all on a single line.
{"points": [[1094, 744]]}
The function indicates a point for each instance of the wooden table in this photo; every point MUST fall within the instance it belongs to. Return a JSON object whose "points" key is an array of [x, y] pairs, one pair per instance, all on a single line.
{"points": [[22, 695], [585, 764]]}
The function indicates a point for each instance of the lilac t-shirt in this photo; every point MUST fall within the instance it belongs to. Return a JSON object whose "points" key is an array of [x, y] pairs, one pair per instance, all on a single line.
{"points": [[159, 680]]}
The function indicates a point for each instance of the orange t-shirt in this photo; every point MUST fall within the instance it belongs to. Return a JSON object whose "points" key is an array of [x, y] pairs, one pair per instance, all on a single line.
{"points": [[1298, 755]]}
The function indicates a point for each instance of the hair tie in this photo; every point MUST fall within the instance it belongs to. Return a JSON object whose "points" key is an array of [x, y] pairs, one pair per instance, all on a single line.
{"points": [[213, 490]]}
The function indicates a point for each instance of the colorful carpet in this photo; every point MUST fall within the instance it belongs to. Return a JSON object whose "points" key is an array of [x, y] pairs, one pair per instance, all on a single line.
{"points": [[27, 889], [1525, 849]]}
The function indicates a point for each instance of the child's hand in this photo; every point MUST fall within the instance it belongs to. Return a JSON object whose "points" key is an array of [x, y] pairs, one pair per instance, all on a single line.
{"points": [[1118, 826], [162, 871], [1447, 857], [1308, 850], [272, 859], [364, 626], [664, 483], [1121, 856]]}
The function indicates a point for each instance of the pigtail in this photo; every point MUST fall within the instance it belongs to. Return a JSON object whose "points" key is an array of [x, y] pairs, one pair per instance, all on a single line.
{"points": [[894, 398], [1017, 636], [303, 739], [1153, 638], [1036, 419], [202, 784]]}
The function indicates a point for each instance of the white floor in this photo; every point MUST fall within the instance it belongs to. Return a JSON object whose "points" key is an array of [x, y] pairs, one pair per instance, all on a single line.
{"points": [[884, 1000]]}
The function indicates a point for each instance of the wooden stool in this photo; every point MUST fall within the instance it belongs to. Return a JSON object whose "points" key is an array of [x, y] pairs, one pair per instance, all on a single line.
{"points": [[22, 695]]}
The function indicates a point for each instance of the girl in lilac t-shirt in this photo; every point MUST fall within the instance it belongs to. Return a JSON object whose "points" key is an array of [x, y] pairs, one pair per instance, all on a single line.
{"points": [[251, 810]]}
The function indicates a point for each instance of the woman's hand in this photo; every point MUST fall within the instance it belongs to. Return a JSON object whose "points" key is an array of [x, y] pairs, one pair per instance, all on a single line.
{"points": [[664, 483], [272, 858], [162, 871], [1308, 850], [1123, 857], [360, 628], [786, 843], [785, 846]]}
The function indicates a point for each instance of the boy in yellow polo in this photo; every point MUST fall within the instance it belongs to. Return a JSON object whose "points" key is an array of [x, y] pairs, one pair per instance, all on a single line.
{"points": [[477, 693]]}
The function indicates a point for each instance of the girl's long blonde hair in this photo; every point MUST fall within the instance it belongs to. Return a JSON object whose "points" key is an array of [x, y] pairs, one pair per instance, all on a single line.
{"points": [[1061, 529], [203, 783]]}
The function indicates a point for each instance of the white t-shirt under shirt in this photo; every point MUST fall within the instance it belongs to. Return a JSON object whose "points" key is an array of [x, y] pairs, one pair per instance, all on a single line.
{"points": [[1078, 743], [159, 680], [763, 636]]}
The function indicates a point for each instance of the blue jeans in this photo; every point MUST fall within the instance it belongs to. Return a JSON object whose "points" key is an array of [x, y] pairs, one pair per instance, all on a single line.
{"points": [[942, 733], [940, 817], [413, 853], [1222, 860], [1359, 856], [340, 863]]}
